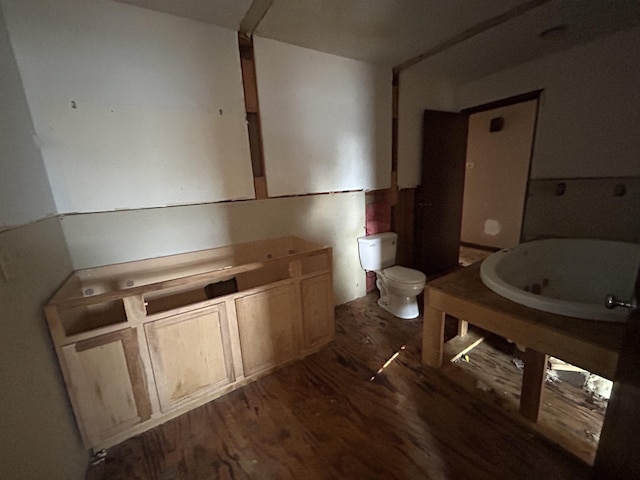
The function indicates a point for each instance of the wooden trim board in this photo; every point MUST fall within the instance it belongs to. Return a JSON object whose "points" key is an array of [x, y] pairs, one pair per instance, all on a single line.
{"points": [[460, 345]]}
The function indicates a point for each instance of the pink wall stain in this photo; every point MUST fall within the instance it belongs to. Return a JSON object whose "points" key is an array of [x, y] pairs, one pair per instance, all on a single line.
{"points": [[378, 220]]}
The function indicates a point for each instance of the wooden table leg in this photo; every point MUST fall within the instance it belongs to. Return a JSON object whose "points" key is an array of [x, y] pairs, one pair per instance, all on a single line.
{"points": [[617, 457], [535, 372], [432, 337]]}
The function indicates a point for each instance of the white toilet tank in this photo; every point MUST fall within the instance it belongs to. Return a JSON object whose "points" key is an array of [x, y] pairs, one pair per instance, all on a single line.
{"points": [[377, 251]]}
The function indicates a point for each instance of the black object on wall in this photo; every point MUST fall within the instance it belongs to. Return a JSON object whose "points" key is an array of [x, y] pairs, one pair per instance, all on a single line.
{"points": [[496, 124]]}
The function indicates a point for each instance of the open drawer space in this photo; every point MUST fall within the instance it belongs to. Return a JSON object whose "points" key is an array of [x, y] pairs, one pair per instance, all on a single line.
{"points": [[169, 299], [85, 318]]}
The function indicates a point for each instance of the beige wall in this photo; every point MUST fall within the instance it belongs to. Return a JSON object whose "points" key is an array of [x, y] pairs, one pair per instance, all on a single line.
{"points": [[38, 437], [333, 219], [496, 175]]}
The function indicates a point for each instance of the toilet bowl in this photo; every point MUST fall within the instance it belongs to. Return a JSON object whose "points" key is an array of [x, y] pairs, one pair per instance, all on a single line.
{"points": [[399, 286]]}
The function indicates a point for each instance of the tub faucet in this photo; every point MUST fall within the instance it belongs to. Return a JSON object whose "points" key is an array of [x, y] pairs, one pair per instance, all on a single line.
{"points": [[611, 301]]}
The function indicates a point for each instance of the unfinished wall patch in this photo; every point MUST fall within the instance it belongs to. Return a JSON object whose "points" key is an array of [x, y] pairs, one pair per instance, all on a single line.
{"points": [[492, 227]]}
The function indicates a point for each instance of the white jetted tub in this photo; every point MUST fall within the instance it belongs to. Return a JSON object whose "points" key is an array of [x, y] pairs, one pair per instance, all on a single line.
{"points": [[571, 277]]}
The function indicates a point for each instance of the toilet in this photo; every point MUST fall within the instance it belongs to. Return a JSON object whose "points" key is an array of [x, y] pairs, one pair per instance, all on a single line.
{"points": [[399, 286]]}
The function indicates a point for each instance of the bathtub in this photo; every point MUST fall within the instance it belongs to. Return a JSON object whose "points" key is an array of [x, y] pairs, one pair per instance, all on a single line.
{"points": [[569, 277]]}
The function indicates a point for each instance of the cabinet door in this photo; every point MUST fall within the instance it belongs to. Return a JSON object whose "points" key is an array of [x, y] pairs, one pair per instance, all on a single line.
{"points": [[268, 324], [190, 355], [107, 385], [317, 310]]}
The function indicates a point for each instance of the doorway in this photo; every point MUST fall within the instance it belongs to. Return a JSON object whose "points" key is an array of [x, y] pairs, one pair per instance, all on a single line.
{"points": [[498, 160], [473, 193]]}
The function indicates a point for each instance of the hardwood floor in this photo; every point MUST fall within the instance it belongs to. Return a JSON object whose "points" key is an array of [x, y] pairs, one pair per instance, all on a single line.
{"points": [[469, 255], [326, 418], [570, 416]]}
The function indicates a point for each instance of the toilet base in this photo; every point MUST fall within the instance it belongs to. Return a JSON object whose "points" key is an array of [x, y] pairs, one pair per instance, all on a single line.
{"points": [[400, 306]]}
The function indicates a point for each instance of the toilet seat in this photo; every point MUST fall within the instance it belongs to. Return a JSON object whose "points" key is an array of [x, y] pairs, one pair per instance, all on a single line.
{"points": [[404, 275]]}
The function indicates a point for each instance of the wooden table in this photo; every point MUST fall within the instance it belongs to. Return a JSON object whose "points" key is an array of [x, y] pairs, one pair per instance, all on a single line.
{"points": [[588, 344]]}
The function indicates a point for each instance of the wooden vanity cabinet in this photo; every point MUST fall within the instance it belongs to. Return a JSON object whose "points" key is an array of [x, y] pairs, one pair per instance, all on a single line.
{"points": [[268, 324], [107, 384], [190, 355], [142, 342], [318, 321]]}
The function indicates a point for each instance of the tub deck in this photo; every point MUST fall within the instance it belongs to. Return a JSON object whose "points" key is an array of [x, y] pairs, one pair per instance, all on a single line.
{"points": [[588, 344]]}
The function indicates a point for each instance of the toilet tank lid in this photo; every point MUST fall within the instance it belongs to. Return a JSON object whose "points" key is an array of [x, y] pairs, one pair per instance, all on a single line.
{"points": [[378, 236]]}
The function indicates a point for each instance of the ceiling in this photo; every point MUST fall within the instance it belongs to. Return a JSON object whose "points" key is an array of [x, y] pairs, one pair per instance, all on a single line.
{"points": [[462, 39]]}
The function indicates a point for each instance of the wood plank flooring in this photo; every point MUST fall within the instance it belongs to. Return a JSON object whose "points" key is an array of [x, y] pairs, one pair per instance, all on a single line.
{"points": [[569, 416], [324, 418]]}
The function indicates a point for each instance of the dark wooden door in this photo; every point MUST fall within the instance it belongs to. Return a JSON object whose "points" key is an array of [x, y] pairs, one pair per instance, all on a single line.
{"points": [[438, 209]]}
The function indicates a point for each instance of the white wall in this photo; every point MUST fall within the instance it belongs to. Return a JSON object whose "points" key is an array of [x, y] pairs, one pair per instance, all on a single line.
{"points": [[326, 120], [132, 108], [589, 118], [25, 194], [417, 93], [335, 220]]}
